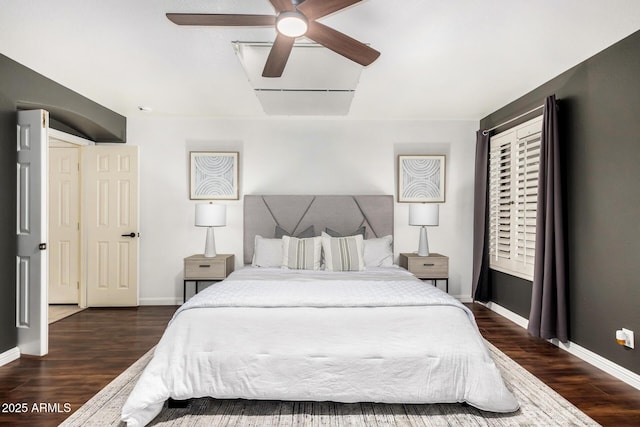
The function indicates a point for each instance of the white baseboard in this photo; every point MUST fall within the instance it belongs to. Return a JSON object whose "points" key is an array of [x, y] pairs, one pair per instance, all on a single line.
{"points": [[588, 356], [600, 362], [160, 301], [463, 298], [515, 318], [9, 356]]}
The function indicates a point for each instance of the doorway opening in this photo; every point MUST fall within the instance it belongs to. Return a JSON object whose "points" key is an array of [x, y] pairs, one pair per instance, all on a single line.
{"points": [[100, 217], [65, 231]]}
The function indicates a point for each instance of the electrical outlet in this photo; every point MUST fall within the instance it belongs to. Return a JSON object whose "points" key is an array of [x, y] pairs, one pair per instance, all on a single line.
{"points": [[630, 342]]}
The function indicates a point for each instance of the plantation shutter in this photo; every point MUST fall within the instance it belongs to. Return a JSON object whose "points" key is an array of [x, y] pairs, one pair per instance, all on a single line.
{"points": [[527, 166], [500, 197], [514, 160]]}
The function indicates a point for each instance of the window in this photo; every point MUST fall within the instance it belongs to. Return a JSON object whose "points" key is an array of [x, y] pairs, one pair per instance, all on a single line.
{"points": [[514, 160]]}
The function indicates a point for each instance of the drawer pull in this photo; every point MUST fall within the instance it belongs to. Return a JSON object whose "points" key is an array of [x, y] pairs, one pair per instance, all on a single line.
{"points": [[204, 266], [428, 265]]}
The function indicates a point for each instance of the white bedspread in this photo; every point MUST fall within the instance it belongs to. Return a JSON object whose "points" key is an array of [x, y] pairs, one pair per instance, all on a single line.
{"points": [[275, 287], [379, 335]]}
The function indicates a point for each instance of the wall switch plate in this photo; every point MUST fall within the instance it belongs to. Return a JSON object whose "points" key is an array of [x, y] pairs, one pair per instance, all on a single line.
{"points": [[630, 342]]}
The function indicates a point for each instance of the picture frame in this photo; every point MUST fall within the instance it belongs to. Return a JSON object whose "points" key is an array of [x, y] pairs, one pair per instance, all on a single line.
{"points": [[421, 178], [214, 175]]}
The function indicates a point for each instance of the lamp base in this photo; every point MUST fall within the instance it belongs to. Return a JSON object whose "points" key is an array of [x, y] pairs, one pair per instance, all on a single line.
{"points": [[210, 245], [423, 248]]}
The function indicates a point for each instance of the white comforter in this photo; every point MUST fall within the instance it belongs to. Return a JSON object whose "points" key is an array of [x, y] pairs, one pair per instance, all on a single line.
{"points": [[379, 336]]}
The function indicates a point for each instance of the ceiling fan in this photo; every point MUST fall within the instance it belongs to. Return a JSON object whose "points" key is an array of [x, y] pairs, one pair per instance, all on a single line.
{"points": [[294, 18]]}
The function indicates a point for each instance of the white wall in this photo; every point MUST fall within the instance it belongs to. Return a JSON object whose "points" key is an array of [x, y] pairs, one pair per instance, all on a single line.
{"points": [[293, 156]]}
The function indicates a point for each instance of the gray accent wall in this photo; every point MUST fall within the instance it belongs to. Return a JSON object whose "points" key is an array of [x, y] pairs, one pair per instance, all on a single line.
{"points": [[599, 101], [8, 120], [68, 110], [23, 88]]}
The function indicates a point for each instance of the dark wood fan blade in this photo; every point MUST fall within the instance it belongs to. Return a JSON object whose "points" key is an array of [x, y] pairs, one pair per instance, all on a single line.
{"points": [[282, 5], [278, 56], [341, 43], [314, 9], [221, 20]]}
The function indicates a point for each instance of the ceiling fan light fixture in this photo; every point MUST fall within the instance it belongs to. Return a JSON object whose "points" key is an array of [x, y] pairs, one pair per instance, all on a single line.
{"points": [[292, 24]]}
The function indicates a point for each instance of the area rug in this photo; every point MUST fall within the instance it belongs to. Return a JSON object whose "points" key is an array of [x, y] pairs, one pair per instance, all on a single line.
{"points": [[539, 406]]}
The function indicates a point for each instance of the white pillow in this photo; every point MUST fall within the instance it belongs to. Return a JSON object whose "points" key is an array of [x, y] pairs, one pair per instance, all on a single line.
{"points": [[378, 252], [343, 253], [301, 254], [267, 252]]}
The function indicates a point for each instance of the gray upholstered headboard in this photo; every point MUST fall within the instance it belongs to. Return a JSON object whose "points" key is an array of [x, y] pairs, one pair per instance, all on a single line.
{"points": [[294, 213]]}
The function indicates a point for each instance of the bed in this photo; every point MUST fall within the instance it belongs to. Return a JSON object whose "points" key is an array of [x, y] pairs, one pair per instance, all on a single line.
{"points": [[349, 326]]}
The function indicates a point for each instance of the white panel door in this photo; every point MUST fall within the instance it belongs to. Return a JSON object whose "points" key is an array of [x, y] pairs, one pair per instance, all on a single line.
{"points": [[111, 200], [64, 225], [31, 229]]}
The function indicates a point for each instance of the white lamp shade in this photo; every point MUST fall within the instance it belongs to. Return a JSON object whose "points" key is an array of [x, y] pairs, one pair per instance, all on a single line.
{"points": [[423, 214], [210, 215]]}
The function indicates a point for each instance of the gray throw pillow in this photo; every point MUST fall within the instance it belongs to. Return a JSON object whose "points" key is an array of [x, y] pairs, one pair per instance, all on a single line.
{"points": [[306, 233], [334, 233]]}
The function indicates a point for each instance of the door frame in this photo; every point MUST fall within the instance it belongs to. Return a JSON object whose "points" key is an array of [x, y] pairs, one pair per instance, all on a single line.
{"points": [[62, 139]]}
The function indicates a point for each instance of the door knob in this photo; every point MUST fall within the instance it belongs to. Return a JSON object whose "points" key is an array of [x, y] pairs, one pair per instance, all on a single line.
{"points": [[132, 234]]}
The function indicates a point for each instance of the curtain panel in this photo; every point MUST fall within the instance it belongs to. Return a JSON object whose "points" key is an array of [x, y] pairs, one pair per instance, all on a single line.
{"points": [[549, 311], [481, 287]]}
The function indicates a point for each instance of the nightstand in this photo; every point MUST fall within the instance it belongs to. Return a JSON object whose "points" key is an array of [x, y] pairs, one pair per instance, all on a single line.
{"points": [[432, 267], [198, 268]]}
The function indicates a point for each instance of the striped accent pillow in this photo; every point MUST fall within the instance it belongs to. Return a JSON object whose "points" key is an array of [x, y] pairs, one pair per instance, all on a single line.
{"points": [[301, 254], [343, 253]]}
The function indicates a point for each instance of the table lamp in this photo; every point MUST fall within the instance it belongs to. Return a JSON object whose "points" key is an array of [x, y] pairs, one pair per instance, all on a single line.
{"points": [[210, 215], [423, 214]]}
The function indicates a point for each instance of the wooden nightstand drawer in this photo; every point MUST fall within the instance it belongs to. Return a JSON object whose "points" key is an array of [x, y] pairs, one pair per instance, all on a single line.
{"points": [[431, 267], [203, 269], [434, 266], [199, 267]]}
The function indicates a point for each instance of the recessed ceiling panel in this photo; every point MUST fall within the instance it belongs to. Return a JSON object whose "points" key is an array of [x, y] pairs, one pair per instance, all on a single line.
{"points": [[316, 81], [310, 66], [305, 102]]}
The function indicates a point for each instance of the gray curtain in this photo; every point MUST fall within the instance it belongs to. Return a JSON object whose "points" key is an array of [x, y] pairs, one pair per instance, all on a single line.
{"points": [[481, 288], [549, 312]]}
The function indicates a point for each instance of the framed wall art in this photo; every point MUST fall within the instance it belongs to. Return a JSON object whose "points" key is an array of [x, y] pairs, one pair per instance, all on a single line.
{"points": [[214, 175], [421, 178]]}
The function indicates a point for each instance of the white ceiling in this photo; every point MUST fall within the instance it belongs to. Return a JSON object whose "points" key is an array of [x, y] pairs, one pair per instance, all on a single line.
{"points": [[444, 59]]}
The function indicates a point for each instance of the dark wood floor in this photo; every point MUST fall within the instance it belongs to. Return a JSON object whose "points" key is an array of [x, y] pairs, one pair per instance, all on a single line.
{"points": [[89, 349], [86, 352], [604, 398]]}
